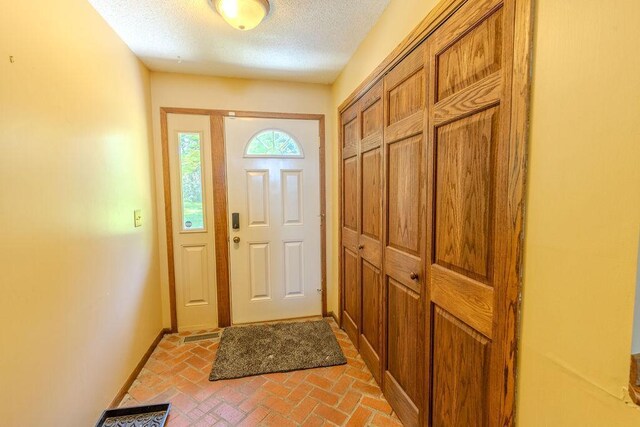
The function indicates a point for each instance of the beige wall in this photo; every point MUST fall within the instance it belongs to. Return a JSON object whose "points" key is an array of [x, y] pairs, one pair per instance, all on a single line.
{"points": [[80, 299], [181, 90], [583, 214], [583, 205]]}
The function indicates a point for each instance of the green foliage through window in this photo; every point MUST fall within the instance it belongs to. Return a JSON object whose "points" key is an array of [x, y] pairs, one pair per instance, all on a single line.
{"points": [[273, 143], [191, 181]]}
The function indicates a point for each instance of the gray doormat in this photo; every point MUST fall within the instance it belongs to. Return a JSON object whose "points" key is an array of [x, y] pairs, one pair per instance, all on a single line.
{"points": [[280, 347]]}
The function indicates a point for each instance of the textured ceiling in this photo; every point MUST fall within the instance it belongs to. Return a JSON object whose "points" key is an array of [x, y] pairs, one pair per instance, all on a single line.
{"points": [[300, 40]]}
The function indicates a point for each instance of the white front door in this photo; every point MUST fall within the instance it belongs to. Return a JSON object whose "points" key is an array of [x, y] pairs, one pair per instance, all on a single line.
{"points": [[273, 179], [192, 211]]}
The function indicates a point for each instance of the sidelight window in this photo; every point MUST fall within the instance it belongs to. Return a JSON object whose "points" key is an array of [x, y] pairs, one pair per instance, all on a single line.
{"points": [[190, 150]]}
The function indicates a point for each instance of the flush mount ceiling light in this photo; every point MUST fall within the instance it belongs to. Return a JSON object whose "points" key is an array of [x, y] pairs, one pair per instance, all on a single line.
{"points": [[242, 14]]}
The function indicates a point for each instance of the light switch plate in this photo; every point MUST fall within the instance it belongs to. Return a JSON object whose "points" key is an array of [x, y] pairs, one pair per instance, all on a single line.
{"points": [[137, 218]]}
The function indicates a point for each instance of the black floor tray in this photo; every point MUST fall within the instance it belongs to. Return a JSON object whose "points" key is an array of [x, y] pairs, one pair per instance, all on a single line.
{"points": [[136, 416]]}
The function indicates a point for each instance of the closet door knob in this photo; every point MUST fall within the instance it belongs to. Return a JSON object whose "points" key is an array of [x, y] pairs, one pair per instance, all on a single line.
{"points": [[360, 246], [414, 276]]}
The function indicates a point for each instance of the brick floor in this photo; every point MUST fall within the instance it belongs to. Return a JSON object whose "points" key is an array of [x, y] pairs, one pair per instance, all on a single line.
{"points": [[338, 395]]}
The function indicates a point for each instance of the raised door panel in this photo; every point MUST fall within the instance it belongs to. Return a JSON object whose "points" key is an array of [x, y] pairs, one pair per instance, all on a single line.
{"points": [[372, 117], [351, 321], [404, 211], [258, 197], [294, 273], [350, 194], [476, 189], [403, 376], [259, 271], [476, 55], [371, 212], [404, 312], [195, 271], [370, 333], [464, 185], [460, 379], [350, 136], [406, 98], [371, 295], [292, 197], [405, 89]]}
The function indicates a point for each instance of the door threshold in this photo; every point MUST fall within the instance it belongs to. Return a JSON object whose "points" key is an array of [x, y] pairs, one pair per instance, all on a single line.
{"points": [[286, 320]]}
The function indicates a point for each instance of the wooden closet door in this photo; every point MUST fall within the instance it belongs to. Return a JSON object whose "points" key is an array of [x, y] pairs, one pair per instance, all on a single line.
{"points": [[351, 224], [371, 206], [405, 95], [475, 186]]}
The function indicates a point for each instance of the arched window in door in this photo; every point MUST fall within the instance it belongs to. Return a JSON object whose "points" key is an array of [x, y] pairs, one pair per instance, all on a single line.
{"points": [[273, 143]]}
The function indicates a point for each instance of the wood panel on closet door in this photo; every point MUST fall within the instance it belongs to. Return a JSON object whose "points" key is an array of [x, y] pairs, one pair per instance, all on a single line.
{"points": [[351, 304], [371, 153], [475, 188], [405, 88]]}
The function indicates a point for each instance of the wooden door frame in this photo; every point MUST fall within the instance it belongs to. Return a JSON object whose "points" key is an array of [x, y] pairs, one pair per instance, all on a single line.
{"points": [[220, 214]]}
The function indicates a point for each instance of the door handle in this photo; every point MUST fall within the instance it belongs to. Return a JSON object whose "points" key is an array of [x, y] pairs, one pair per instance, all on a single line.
{"points": [[236, 239], [360, 246], [414, 276]]}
